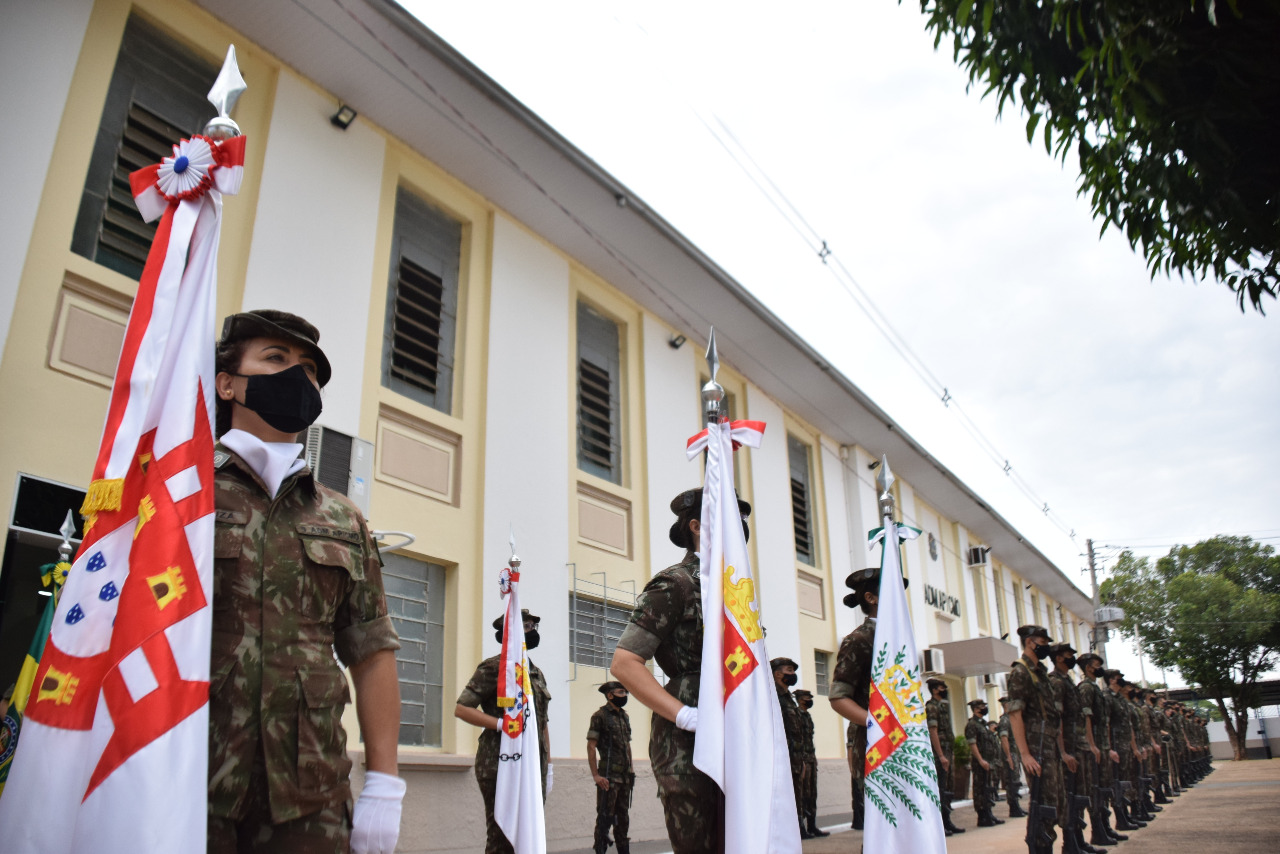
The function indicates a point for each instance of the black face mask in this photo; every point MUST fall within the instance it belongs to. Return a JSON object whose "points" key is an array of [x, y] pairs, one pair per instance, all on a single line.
{"points": [[531, 639], [1041, 651], [618, 702], [942, 695], [1069, 661], [790, 679], [286, 400]]}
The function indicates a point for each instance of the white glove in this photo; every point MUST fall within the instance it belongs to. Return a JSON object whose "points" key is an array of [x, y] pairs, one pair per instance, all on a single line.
{"points": [[687, 718], [551, 777], [375, 823]]}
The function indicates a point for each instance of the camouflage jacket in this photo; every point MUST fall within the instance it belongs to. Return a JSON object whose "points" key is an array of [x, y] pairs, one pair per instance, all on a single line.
{"points": [[482, 691], [852, 676], [975, 732], [1141, 724], [790, 722], [1067, 696], [1030, 692], [938, 715], [610, 729], [1005, 730], [294, 579], [806, 734], [666, 626], [1093, 699], [1121, 724]]}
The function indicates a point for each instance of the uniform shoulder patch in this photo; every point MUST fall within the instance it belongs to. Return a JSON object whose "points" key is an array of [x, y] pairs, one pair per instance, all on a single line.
{"points": [[220, 459]]}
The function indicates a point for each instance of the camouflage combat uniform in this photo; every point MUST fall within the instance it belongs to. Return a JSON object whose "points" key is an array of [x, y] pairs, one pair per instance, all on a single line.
{"points": [[809, 761], [1121, 733], [1067, 696], [938, 717], [610, 729], [795, 752], [1095, 709], [975, 732], [482, 691], [1031, 693], [666, 626], [295, 578], [852, 680], [1012, 768]]}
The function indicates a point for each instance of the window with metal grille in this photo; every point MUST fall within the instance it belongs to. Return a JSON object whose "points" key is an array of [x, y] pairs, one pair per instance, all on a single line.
{"points": [[801, 507], [594, 629], [422, 303], [156, 97], [997, 581], [599, 400], [821, 673], [415, 601]]}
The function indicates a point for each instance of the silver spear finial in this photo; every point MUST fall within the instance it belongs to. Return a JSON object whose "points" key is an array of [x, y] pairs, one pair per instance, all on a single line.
{"points": [[514, 562], [884, 482], [224, 94], [713, 392], [67, 531]]}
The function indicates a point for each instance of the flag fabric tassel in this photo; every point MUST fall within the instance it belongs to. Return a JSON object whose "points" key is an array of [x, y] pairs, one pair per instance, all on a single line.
{"points": [[904, 811], [116, 723], [740, 742], [517, 805]]}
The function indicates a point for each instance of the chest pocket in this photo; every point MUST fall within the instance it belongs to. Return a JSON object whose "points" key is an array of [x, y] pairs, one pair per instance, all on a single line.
{"points": [[333, 560], [228, 546]]}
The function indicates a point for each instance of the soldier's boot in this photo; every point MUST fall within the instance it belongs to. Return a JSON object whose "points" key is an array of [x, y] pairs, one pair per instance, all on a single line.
{"points": [[983, 821], [1069, 843], [947, 824], [859, 811], [993, 818], [815, 831], [804, 831], [1085, 846], [624, 846], [1015, 808], [1099, 833]]}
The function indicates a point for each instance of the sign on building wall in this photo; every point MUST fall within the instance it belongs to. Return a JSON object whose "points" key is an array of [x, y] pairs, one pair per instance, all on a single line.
{"points": [[941, 600]]}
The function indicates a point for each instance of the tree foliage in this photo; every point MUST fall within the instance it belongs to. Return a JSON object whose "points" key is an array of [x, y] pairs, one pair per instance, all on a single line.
{"points": [[1171, 106], [1212, 612]]}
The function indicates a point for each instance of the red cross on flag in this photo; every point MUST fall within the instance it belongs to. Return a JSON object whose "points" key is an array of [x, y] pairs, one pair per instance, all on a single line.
{"points": [[116, 730]]}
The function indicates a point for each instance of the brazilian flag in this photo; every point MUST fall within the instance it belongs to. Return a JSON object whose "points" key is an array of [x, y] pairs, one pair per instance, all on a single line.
{"points": [[50, 574]]}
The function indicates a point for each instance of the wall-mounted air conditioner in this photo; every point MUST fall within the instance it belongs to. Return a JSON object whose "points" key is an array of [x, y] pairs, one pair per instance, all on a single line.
{"points": [[931, 661], [977, 556], [994, 680], [342, 463]]}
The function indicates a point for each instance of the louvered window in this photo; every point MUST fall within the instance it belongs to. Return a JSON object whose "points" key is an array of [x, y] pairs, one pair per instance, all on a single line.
{"points": [[156, 97], [801, 500], [415, 602], [599, 408], [821, 675], [422, 303]]}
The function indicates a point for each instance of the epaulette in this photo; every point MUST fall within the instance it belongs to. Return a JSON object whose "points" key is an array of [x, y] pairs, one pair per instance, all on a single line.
{"points": [[220, 459]]}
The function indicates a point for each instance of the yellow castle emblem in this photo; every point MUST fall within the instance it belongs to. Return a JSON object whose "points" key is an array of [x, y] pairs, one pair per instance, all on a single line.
{"points": [[740, 599]]}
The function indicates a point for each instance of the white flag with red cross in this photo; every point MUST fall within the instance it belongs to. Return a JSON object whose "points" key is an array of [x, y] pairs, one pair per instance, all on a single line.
{"points": [[114, 750]]}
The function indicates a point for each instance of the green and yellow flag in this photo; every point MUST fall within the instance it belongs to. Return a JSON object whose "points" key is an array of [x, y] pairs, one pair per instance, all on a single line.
{"points": [[51, 574]]}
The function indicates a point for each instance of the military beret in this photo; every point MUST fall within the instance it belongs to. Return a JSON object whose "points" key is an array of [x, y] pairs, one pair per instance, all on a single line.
{"points": [[1060, 648], [1082, 660], [800, 692], [688, 505], [973, 704], [610, 686], [1026, 632], [778, 663], [269, 323], [935, 682], [1004, 698], [862, 581], [524, 612]]}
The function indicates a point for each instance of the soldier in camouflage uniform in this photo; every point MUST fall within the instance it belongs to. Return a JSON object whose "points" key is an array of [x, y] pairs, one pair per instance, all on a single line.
{"points": [[784, 676], [1011, 767], [1074, 746], [609, 733], [666, 626], [1123, 744], [1163, 742], [1036, 722], [296, 577], [1142, 766], [851, 681], [1098, 756], [975, 733], [809, 798], [478, 706], [938, 716]]}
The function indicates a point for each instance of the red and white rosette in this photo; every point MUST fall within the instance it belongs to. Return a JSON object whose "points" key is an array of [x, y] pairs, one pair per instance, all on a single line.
{"points": [[197, 165]]}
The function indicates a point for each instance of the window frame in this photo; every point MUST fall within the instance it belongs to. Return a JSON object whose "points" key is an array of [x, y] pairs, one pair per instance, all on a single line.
{"points": [[591, 349], [797, 445]]}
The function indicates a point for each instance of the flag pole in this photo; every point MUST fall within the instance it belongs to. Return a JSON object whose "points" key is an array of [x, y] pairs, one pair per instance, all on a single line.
{"points": [[712, 391]]}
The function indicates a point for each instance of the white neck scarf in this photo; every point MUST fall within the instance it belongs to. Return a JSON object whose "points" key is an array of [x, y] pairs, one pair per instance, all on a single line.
{"points": [[271, 461]]}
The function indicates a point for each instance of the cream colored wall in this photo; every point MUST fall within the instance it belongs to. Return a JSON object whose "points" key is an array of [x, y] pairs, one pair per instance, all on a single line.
{"points": [[54, 422]]}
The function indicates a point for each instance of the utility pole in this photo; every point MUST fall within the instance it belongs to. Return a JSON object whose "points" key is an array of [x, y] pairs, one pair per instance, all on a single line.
{"points": [[1099, 634]]}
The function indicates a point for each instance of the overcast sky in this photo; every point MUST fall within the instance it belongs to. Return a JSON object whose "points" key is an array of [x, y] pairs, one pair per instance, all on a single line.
{"points": [[1145, 413]]}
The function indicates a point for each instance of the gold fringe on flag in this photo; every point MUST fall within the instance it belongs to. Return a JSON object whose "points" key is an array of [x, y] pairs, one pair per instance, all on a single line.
{"points": [[103, 494]]}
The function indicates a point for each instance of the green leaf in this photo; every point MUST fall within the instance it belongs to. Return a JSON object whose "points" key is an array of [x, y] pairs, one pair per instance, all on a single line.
{"points": [[1032, 122]]}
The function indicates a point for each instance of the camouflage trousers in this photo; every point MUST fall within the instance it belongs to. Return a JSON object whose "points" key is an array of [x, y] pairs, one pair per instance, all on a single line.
{"points": [[613, 811], [1012, 773], [693, 806], [981, 795], [325, 832], [798, 785], [1049, 784], [810, 779]]}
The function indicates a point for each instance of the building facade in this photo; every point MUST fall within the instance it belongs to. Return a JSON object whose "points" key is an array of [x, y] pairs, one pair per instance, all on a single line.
{"points": [[517, 347]]}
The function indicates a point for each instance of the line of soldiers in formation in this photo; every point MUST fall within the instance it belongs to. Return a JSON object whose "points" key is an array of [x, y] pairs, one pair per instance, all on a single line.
{"points": [[1093, 747]]}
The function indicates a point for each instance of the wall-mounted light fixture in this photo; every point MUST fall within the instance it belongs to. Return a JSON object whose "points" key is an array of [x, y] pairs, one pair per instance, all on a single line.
{"points": [[873, 465], [344, 117], [676, 341]]}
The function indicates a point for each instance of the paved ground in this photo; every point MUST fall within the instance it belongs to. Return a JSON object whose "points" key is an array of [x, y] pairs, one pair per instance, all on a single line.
{"points": [[1236, 810]]}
